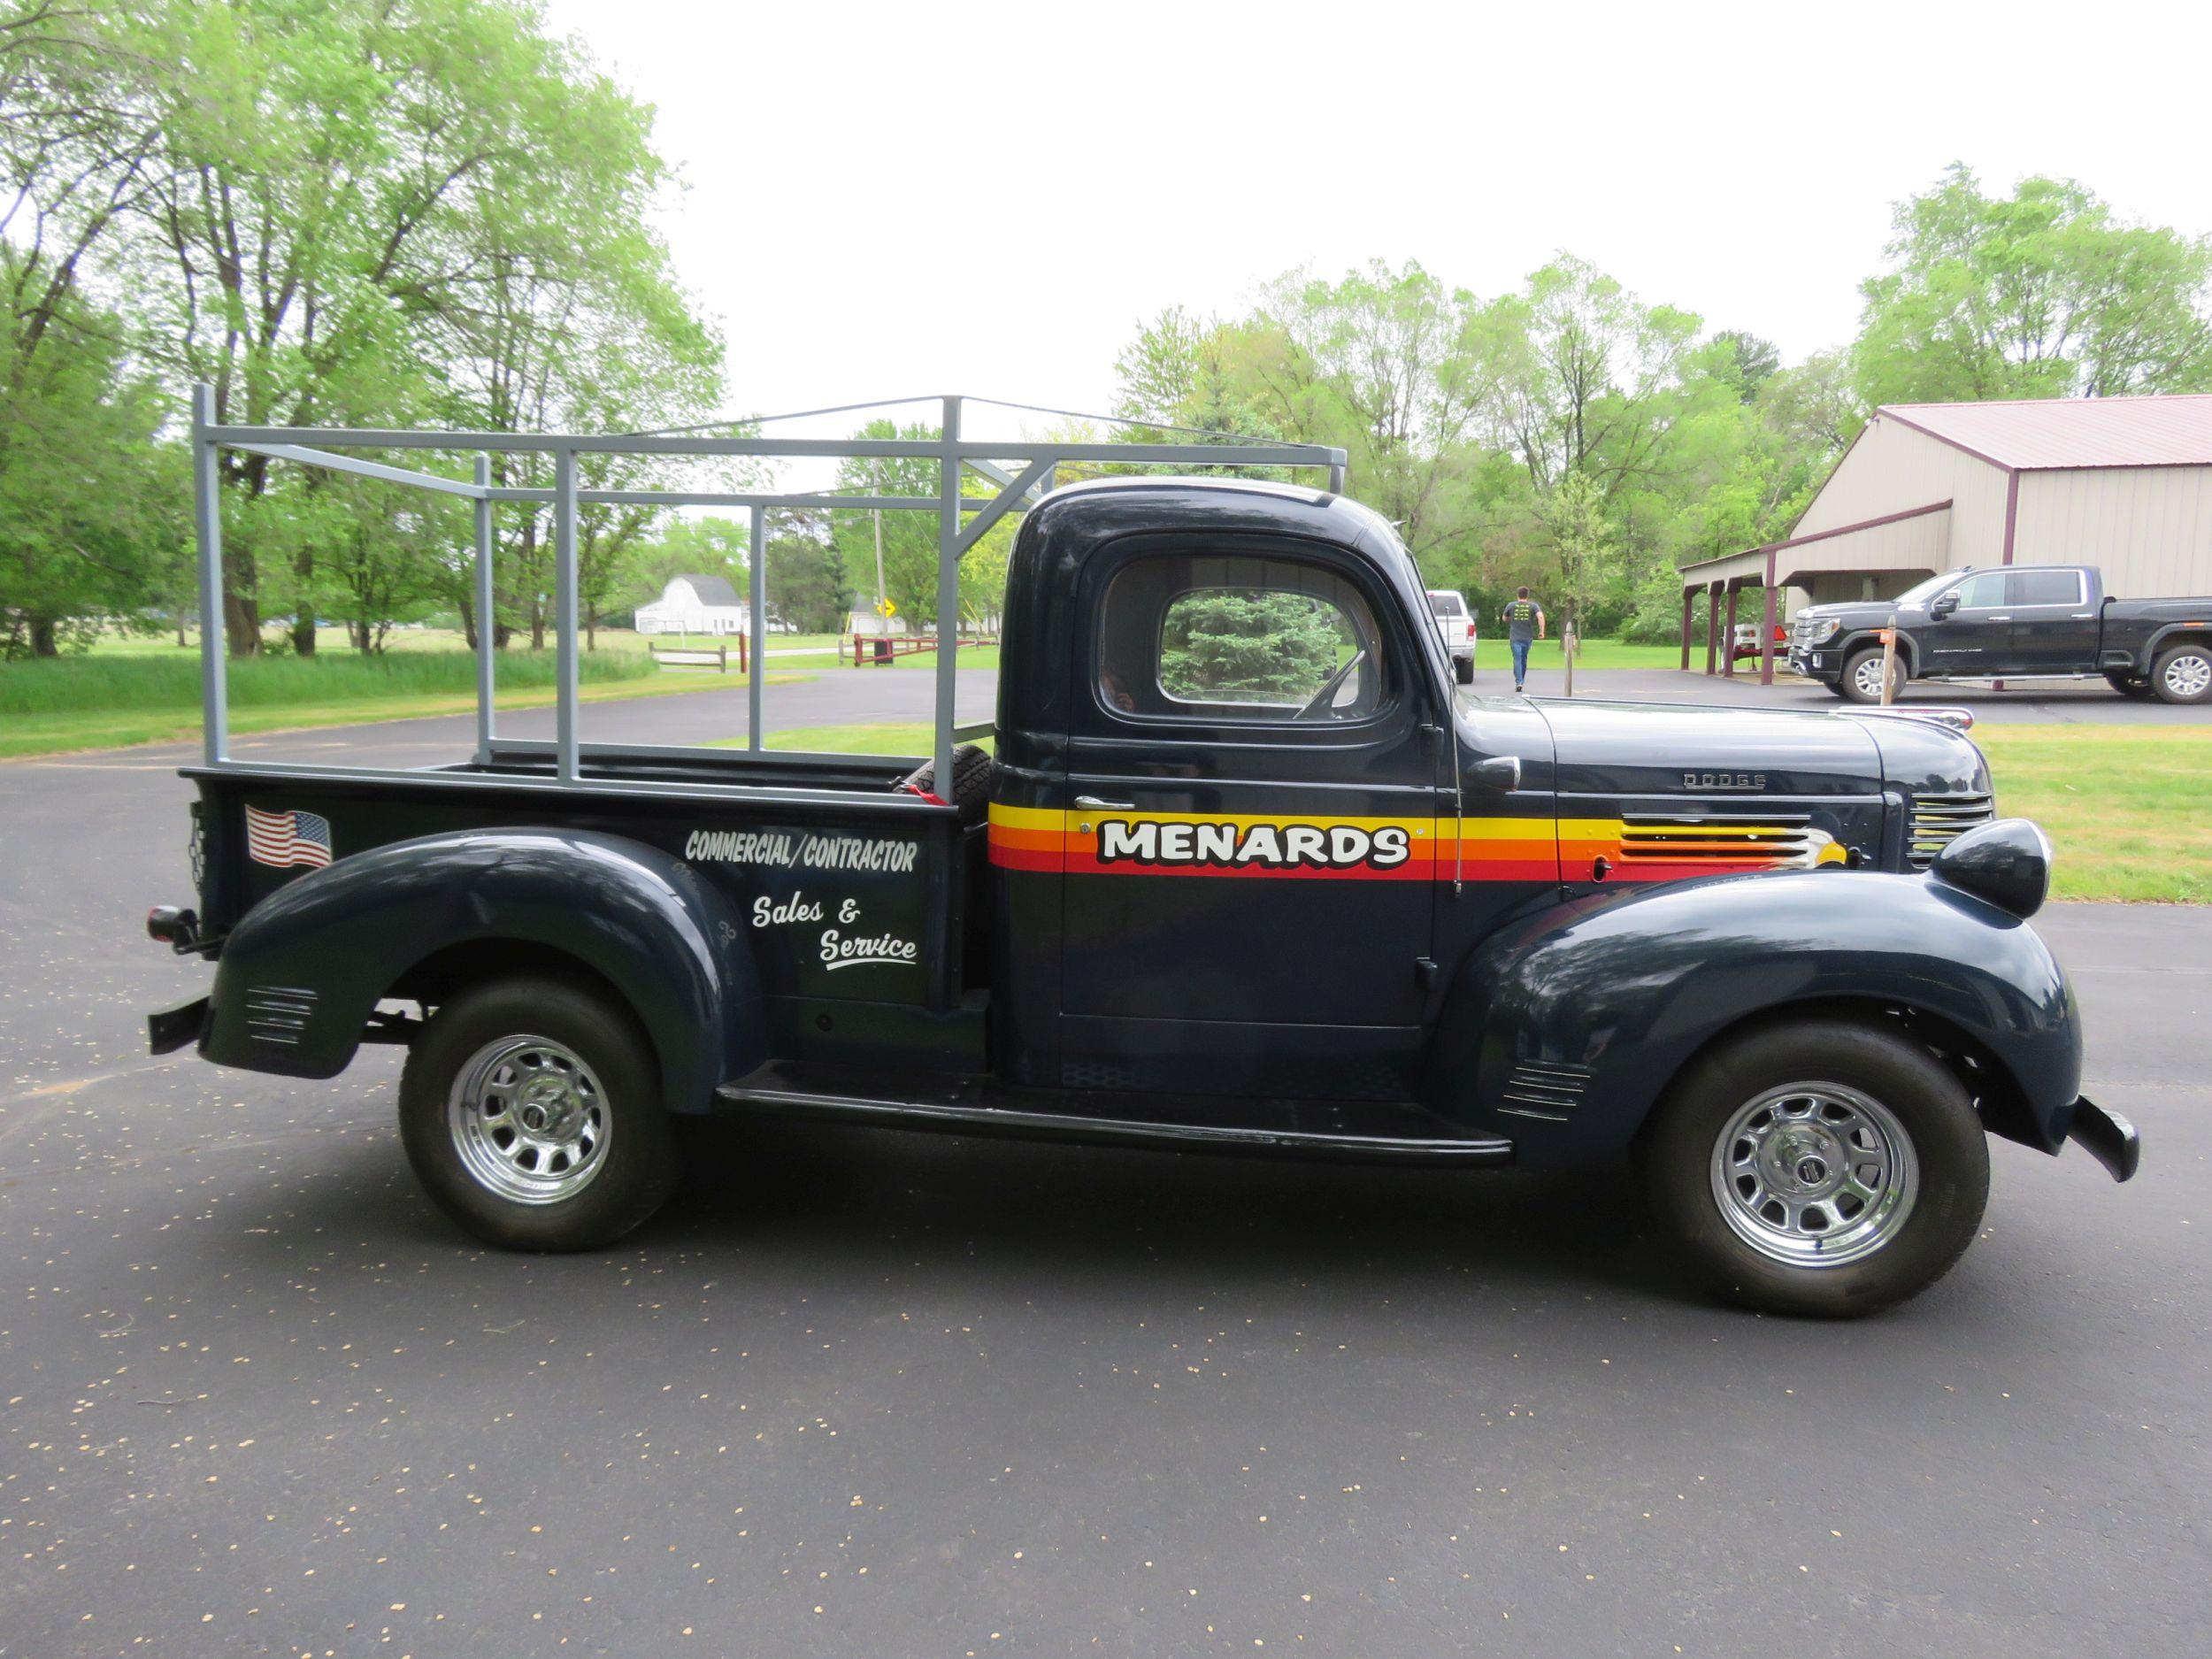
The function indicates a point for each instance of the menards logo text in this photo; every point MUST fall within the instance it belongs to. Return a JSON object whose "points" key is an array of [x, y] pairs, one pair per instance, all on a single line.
{"points": [[1261, 846]]}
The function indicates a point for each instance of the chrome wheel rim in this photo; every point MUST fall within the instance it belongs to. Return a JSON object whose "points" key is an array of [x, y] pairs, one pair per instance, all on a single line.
{"points": [[1815, 1174], [2188, 674], [529, 1119], [1870, 679]]}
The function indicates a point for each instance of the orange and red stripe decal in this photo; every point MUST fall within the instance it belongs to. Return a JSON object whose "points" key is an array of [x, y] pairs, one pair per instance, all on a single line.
{"points": [[1242, 845]]}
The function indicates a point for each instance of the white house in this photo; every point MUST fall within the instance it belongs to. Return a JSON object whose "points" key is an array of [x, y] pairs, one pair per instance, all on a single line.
{"points": [[695, 604]]}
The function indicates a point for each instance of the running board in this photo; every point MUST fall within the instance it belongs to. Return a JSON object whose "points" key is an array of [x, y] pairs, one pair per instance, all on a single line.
{"points": [[1341, 1130]]}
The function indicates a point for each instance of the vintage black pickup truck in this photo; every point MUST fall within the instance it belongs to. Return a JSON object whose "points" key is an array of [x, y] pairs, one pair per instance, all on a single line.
{"points": [[1248, 870], [2027, 621]]}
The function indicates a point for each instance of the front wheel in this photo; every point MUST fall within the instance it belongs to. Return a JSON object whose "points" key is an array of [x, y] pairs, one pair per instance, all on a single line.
{"points": [[531, 1111], [1822, 1167], [2184, 674], [1861, 681]]}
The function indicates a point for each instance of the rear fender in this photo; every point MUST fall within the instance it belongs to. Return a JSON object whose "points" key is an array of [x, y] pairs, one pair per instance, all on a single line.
{"points": [[2171, 634], [1562, 1033], [301, 973]]}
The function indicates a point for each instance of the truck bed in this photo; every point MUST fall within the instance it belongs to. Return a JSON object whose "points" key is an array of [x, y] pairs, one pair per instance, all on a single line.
{"points": [[851, 891]]}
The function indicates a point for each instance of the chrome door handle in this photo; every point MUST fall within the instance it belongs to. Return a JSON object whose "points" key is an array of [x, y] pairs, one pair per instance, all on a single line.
{"points": [[2001, 619], [1092, 803]]}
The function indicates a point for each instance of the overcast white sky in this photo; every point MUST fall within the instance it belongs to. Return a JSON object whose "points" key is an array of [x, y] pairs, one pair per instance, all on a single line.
{"points": [[914, 199]]}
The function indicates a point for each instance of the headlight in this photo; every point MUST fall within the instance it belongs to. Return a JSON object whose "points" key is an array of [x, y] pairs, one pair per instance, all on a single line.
{"points": [[1823, 631]]}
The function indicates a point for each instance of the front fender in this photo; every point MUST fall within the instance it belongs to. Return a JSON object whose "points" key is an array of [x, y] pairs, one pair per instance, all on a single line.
{"points": [[301, 973], [1561, 1034]]}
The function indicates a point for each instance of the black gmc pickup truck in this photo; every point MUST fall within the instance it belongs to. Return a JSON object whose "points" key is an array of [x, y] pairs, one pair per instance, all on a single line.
{"points": [[1248, 870], [2026, 621]]}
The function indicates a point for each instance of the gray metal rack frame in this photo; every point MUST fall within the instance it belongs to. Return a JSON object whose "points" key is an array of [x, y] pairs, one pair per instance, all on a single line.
{"points": [[954, 456]]}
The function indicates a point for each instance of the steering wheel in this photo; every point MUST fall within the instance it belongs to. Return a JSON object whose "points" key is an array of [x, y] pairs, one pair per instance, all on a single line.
{"points": [[1321, 698]]}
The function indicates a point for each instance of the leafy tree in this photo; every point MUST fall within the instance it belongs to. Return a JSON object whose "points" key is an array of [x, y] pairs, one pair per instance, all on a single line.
{"points": [[1755, 360], [1224, 645], [806, 575], [2043, 293], [1573, 516], [90, 513]]}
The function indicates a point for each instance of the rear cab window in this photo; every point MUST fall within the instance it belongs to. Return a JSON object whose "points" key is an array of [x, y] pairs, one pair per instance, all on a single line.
{"points": [[1237, 638]]}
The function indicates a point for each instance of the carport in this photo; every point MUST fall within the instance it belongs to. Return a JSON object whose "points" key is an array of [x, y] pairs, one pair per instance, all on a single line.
{"points": [[1913, 543]]}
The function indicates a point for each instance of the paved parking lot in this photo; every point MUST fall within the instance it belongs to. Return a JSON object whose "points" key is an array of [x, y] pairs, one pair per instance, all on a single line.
{"points": [[2028, 701], [890, 1395]]}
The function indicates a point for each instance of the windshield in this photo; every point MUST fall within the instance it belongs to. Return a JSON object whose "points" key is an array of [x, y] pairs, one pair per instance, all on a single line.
{"points": [[1920, 592]]}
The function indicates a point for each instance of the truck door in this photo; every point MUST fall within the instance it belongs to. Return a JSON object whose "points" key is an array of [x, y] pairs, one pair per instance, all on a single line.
{"points": [[1975, 636], [2054, 624], [1251, 809]]}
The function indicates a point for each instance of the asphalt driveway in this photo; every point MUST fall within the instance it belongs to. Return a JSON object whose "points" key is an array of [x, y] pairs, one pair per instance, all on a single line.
{"points": [[890, 1395]]}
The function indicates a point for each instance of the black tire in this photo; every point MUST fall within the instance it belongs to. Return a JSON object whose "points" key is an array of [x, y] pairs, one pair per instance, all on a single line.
{"points": [[2128, 685], [972, 773], [1947, 1193], [1833, 688], [2184, 674], [1848, 687], [634, 1141]]}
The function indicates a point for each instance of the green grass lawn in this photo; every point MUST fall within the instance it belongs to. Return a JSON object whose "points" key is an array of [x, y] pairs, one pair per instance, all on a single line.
{"points": [[2126, 807], [113, 699], [1491, 651], [894, 737], [411, 639]]}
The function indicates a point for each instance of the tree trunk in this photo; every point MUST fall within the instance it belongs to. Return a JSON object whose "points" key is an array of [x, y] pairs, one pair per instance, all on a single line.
{"points": [[43, 642], [241, 620], [303, 623], [591, 627], [468, 622]]}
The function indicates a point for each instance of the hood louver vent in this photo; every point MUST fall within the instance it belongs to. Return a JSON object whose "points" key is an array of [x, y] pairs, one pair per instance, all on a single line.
{"points": [[1939, 819], [1781, 840]]}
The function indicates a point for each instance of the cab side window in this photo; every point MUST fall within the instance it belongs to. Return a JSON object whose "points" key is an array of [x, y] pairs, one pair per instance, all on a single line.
{"points": [[2044, 588], [1238, 637], [1985, 592]]}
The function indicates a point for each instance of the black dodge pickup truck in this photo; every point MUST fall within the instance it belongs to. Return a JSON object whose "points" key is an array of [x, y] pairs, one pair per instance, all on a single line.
{"points": [[1248, 872], [2029, 622]]}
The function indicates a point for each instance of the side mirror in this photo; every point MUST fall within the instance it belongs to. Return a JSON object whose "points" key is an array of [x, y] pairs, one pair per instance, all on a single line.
{"points": [[1945, 604], [1464, 670]]}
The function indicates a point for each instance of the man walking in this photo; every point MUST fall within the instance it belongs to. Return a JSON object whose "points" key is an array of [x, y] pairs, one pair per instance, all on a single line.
{"points": [[1524, 626]]}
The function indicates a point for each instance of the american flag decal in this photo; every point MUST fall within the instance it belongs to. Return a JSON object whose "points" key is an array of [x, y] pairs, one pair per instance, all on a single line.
{"points": [[283, 839]]}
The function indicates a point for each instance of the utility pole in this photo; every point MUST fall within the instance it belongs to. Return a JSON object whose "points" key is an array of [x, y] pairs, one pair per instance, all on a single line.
{"points": [[882, 623]]}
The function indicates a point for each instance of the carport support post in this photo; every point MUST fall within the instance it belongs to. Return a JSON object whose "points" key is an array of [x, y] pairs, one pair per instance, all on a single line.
{"points": [[565, 609], [1689, 599], [484, 658], [1766, 628], [948, 594], [756, 623], [1712, 622], [1728, 662], [207, 522]]}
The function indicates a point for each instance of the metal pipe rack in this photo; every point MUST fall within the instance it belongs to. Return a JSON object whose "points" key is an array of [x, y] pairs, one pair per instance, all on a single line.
{"points": [[961, 521]]}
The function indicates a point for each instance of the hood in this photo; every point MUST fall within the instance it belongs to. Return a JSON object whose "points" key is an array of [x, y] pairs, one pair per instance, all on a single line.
{"points": [[1660, 749], [1846, 608]]}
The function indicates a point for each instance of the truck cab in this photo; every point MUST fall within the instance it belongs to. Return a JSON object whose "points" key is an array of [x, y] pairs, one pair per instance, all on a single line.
{"points": [[1246, 868]]}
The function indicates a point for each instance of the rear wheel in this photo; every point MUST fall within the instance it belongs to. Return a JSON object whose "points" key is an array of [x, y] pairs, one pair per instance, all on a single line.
{"points": [[531, 1111], [1821, 1167], [1861, 681], [2184, 674], [2128, 685]]}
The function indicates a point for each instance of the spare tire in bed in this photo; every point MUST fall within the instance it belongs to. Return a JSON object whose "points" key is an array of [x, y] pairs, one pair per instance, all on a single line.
{"points": [[971, 782]]}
